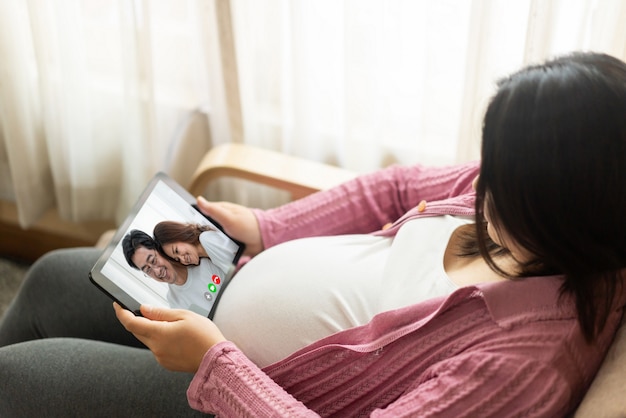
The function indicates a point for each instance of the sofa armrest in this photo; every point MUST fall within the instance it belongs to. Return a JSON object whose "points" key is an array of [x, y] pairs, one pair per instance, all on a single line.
{"points": [[296, 175]]}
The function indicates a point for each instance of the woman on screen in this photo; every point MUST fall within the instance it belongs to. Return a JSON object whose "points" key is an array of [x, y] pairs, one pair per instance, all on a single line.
{"points": [[188, 243]]}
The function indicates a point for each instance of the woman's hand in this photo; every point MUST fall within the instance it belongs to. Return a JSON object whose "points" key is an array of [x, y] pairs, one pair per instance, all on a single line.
{"points": [[238, 221], [178, 338]]}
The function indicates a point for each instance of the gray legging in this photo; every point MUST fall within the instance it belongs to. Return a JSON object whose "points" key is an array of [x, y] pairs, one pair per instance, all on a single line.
{"points": [[63, 352]]}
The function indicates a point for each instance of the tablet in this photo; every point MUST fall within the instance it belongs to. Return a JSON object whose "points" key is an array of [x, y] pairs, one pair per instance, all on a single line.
{"points": [[135, 267]]}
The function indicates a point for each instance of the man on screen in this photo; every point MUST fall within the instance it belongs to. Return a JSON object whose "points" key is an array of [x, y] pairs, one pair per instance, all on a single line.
{"points": [[190, 287]]}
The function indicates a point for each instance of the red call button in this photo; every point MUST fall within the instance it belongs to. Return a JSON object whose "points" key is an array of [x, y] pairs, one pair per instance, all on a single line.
{"points": [[216, 279]]}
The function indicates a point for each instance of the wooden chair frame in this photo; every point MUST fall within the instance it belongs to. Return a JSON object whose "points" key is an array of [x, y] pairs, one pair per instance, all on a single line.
{"points": [[298, 176]]}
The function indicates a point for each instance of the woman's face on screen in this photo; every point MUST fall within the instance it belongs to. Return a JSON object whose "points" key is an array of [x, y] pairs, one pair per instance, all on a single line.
{"points": [[185, 253]]}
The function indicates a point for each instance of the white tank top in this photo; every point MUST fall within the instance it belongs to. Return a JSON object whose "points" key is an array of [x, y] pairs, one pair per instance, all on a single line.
{"points": [[300, 291]]}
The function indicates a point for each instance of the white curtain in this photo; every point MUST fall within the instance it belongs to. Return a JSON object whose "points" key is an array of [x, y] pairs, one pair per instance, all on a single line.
{"points": [[93, 91], [365, 83]]}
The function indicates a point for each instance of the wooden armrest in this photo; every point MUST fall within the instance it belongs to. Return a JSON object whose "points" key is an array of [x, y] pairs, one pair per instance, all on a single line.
{"points": [[298, 176]]}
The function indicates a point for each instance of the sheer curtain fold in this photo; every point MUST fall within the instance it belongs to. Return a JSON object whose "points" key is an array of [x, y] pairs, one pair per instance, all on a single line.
{"points": [[93, 92], [27, 164], [366, 83]]}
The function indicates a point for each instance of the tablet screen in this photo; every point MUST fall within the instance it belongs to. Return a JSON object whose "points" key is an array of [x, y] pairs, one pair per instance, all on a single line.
{"points": [[167, 253]]}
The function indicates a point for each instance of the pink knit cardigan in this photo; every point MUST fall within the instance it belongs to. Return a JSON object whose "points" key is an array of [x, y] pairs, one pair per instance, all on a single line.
{"points": [[501, 349]]}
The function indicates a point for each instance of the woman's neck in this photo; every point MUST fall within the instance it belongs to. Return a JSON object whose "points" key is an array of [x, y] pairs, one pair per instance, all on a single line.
{"points": [[470, 270]]}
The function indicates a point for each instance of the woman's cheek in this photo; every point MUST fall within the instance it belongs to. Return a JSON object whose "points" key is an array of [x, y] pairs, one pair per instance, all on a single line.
{"points": [[493, 234]]}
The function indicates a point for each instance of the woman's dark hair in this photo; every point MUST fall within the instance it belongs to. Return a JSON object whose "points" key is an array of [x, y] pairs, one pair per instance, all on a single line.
{"points": [[553, 174], [166, 232]]}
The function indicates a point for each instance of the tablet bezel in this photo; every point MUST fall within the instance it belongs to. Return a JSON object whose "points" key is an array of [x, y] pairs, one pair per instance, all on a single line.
{"points": [[187, 202]]}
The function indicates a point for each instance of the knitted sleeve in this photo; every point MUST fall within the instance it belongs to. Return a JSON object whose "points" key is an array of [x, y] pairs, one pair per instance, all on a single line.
{"points": [[483, 384], [228, 384], [364, 204], [486, 384]]}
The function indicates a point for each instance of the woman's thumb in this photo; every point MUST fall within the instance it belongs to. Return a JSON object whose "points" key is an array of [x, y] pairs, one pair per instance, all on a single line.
{"points": [[219, 211], [209, 208], [157, 313]]}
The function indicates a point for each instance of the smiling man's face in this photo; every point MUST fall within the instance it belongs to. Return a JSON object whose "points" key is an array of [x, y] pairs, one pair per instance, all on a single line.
{"points": [[153, 265]]}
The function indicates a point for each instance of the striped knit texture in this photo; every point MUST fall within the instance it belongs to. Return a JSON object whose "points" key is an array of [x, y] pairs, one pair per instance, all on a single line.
{"points": [[365, 204], [503, 350], [463, 342], [447, 358]]}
